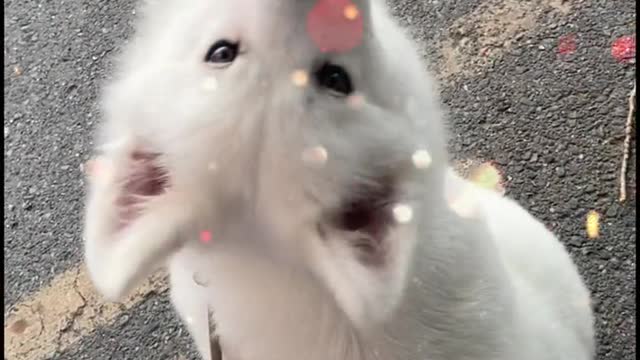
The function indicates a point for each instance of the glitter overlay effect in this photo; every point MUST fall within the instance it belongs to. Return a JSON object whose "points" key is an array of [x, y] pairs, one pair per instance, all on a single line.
{"points": [[567, 45], [402, 213], [335, 25], [300, 78], [593, 224], [97, 168], [488, 177], [315, 156], [624, 49], [464, 204], [421, 159], [351, 12], [205, 237]]}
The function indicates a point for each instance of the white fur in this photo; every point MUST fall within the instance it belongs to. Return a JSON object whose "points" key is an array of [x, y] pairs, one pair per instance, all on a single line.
{"points": [[492, 284]]}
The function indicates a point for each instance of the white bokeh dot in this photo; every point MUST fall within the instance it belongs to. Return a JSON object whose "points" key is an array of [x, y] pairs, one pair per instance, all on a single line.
{"points": [[421, 159], [300, 78], [316, 156], [403, 213]]}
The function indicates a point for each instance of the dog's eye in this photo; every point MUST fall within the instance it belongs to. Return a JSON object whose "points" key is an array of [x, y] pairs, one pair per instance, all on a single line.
{"points": [[334, 78], [222, 52]]}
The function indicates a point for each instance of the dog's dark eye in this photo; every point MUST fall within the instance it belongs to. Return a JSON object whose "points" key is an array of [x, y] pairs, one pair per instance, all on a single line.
{"points": [[334, 78], [222, 52]]}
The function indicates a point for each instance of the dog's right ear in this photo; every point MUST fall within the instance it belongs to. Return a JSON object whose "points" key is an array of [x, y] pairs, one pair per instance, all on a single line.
{"points": [[132, 221]]}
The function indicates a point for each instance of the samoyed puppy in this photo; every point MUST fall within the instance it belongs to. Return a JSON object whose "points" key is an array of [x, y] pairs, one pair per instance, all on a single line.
{"points": [[286, 160]]}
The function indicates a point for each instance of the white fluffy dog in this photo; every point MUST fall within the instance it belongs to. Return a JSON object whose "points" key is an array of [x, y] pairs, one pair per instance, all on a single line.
{"points": [[297, 185]]}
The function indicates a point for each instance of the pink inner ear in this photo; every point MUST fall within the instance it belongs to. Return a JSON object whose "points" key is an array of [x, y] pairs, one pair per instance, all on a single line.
{"points": [[144, 179]]}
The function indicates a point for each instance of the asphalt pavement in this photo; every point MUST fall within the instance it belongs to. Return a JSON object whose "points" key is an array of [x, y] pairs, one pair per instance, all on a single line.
{"points": [[552, 123]]}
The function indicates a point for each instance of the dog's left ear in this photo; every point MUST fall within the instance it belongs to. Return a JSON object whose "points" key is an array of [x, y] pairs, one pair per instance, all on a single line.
{"points": [[119, 256]]}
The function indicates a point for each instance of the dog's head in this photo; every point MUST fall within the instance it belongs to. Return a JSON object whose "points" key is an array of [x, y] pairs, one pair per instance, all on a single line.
{"points": [[314, 119]]}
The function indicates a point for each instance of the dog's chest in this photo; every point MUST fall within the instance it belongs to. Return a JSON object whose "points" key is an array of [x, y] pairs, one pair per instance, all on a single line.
{"points": [[256, 308]]}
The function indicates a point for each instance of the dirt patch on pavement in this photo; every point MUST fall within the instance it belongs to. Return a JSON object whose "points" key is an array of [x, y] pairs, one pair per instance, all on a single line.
{"points": [[62, 313], [477, 39]]}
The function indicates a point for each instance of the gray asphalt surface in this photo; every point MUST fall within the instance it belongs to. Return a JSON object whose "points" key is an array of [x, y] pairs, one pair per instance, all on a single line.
{"points": [[554, 127]]}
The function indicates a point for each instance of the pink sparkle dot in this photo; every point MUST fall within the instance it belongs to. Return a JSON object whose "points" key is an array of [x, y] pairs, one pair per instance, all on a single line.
{"points": [[624, 49], [567, 44], [205, 236], [335, 25]]}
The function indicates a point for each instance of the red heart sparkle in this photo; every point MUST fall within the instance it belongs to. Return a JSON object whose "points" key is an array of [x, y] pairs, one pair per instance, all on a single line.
{"points": [[335, 25], [624, 49]]}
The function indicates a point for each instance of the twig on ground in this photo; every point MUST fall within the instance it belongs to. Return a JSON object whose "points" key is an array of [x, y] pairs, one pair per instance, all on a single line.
{"points": [[627, 140]]}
